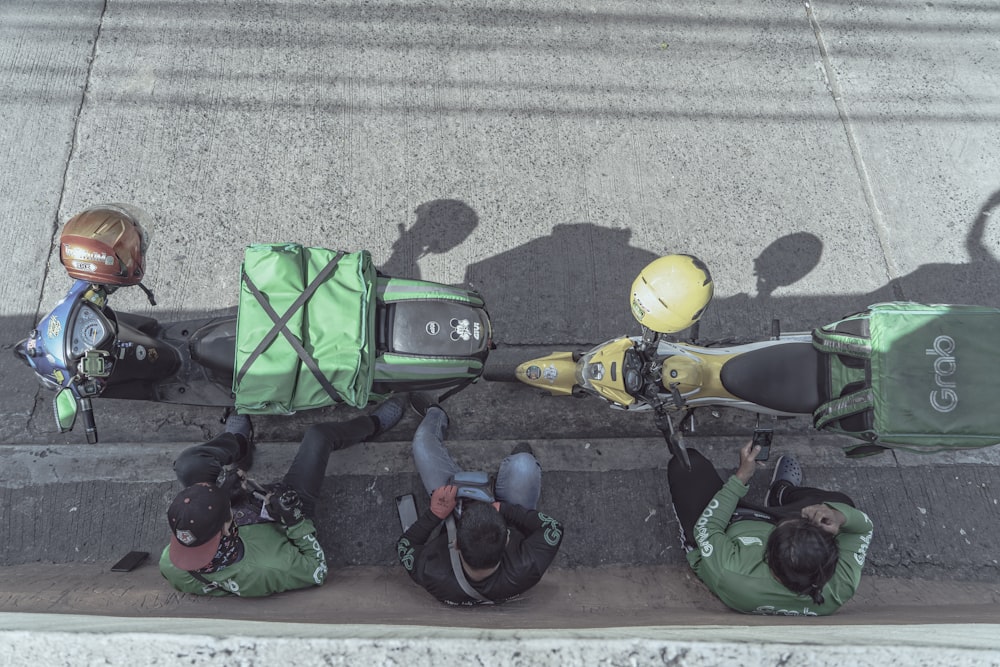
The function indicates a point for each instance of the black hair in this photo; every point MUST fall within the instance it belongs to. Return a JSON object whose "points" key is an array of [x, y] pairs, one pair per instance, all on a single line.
{"points": [[481, 534], [802, 556]]}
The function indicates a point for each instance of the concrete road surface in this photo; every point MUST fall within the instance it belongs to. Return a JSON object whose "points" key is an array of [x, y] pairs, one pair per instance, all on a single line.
{"points": [[818, 156]]}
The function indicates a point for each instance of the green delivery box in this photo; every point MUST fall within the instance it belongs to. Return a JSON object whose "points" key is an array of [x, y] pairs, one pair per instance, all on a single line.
{"points": [[305, 329], [913, 376]]}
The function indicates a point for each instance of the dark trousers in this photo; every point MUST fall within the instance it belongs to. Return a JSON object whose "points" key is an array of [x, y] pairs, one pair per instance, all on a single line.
{"points": [[202, 463], [691, 491]]}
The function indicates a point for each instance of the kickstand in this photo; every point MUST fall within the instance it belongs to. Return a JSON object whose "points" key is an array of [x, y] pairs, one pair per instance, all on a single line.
{"points": [[674, 439]]}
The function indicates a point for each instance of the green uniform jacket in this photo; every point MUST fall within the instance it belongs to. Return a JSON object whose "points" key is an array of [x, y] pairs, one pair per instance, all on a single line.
{"points": [[274, 559], [730, 559]]}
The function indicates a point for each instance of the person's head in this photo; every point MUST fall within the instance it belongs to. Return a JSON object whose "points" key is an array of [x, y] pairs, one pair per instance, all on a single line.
{"points": [[198, 516], [481, 535], [802, 556]]}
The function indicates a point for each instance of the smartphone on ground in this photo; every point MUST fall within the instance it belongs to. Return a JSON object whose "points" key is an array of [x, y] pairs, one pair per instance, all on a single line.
{"points": [[130, 561]]}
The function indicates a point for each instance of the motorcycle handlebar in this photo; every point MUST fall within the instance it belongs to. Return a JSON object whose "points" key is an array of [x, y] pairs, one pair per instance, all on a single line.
{"points": [[87, 408]]}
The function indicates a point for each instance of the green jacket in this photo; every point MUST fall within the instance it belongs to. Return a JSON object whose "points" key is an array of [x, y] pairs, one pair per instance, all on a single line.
{"points": [[274, 559], [730, 559]]}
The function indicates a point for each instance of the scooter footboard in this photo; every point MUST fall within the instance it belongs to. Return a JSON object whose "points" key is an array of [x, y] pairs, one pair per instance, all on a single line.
{"points": [[555, 373]]}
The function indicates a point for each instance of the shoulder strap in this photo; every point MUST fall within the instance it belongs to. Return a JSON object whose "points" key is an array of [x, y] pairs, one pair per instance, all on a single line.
{"points": [[212, 585], [859, 401], [836, 342], [457, 388], [752, 514], [456, 564]]}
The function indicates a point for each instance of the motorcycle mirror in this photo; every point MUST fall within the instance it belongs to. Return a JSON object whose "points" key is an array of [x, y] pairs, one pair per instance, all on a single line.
{"points": [[65, 406]]}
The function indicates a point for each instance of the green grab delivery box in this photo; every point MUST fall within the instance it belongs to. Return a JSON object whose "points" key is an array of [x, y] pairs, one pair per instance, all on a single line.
{"points": [[913, 376], [305, 329]]}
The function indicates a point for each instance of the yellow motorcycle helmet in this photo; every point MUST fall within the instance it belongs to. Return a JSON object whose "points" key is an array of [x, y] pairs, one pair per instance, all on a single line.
{"points": [[671, 293]]}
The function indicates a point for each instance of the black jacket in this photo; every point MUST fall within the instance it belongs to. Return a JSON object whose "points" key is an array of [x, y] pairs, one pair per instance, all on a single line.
{"points": [[534, 542]]}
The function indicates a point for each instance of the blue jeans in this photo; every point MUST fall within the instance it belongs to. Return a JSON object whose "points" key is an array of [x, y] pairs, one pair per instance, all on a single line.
{"points": [[519, 479]]}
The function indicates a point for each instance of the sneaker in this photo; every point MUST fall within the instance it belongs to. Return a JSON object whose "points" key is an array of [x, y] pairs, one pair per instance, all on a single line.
{"points": [[422, 401], [522, 448], [787, 472], [242, 428], [387, 414]]}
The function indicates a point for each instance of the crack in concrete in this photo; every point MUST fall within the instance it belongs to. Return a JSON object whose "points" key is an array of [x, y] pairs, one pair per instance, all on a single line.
{"points": [[65, 175], [878, 220], [74, 141]]}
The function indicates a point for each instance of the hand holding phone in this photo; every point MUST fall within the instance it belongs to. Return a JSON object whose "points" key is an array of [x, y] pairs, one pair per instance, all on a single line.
{"points": [[407, 509], [762, 438]]}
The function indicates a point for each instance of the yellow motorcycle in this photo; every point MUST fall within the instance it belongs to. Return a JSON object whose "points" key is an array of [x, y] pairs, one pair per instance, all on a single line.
{"points": [[894, 375]]}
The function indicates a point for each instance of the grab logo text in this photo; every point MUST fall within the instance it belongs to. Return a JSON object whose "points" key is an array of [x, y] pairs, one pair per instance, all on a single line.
{"points": [[944, 398]]}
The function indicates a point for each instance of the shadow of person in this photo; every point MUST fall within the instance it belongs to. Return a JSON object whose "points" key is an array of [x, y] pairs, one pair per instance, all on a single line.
{"points": [[441, 225], [783, 263], [974, 282], [786, 261], [791, 257], [568, 287]]}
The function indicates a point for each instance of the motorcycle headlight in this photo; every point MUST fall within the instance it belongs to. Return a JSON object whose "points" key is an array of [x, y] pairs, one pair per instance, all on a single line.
{"points": [[632, 372], [633, 381], [596, 371]]}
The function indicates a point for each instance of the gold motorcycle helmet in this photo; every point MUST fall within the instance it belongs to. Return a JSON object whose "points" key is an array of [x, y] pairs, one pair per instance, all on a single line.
{"points": [[106, 244], [671, 293]]}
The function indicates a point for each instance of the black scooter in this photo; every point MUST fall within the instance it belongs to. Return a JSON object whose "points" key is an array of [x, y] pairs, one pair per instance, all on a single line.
{"points": [[84, 349]]}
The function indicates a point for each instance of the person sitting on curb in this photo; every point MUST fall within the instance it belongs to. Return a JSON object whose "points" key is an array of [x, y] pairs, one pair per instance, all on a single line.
{"points": [[801, 555], [255, 546], [500, 549]]}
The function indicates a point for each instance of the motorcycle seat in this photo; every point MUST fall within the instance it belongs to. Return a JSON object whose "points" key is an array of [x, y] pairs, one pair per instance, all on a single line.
{"points": [[217, 354], [784, 377], [214, 347]]}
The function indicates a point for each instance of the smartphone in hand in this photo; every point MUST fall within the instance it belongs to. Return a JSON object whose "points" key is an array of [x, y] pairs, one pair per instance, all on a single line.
{"points": [[762, 437], [407, 509]]}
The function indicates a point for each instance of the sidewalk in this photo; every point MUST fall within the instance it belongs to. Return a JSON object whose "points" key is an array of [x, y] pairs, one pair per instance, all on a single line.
{"points": [[71, 512], [65, 614]]}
